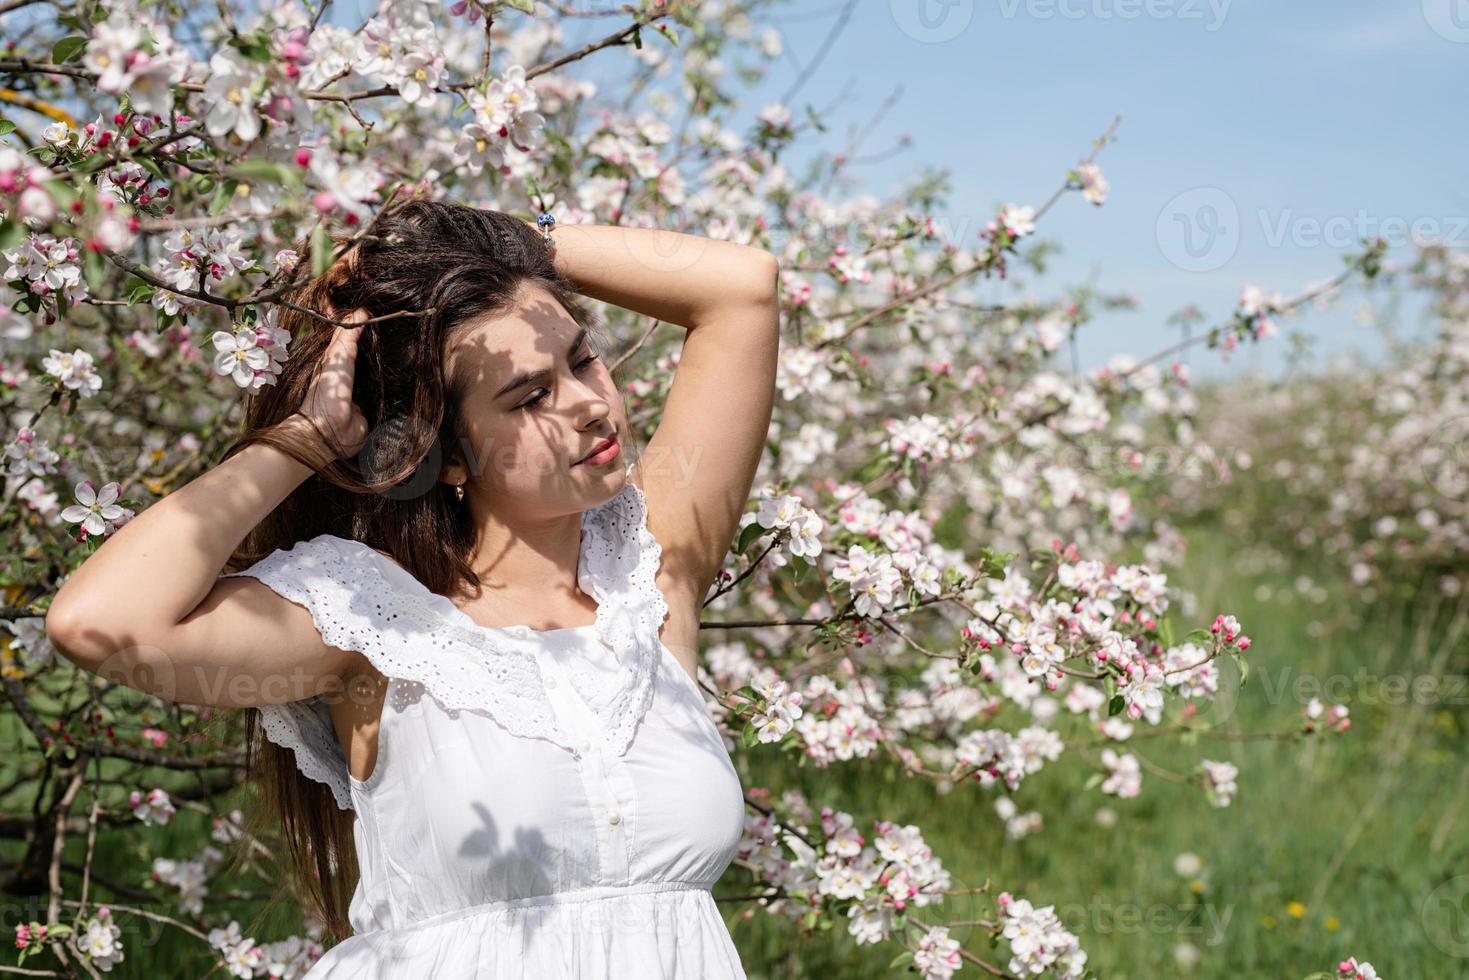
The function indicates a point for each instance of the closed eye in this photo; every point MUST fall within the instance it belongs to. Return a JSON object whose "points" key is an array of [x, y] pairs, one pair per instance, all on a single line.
{"points": [[530, 403]]}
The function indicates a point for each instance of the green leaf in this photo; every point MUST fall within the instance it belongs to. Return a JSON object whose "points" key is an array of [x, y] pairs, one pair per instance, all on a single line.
{"points": [[94, 267], [1093, 781], [749, 736], [1115, 706], [62, 193], [268, 171], [12, 233], [906, 956], [224, 191], [750, 532], [255, 46], [151, 165], [6, 127], [524, 6], [67, 48], [321, 250], [1244, 669], [141, 293]]}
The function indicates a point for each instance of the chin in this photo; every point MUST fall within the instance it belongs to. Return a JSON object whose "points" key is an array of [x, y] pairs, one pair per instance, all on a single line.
{"points": [[614, 478]]}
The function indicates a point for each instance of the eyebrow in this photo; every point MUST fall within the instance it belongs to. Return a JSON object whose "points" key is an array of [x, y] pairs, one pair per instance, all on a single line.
{"points": [[531, 377]]}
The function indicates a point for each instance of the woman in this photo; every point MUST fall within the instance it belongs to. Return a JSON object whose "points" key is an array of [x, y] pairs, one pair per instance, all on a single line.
{"points": [[466, 620]]}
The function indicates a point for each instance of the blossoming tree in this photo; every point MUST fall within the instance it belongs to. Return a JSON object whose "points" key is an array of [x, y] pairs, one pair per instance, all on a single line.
{"points": [[944, 569]]}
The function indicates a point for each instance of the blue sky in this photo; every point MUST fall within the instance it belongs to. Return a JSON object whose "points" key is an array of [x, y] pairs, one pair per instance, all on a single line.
{"points": [[1283, 126], [1345, 113]]}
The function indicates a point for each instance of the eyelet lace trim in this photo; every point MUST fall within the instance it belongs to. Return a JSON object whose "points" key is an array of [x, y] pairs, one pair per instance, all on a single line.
{"points": [[410, 633]]}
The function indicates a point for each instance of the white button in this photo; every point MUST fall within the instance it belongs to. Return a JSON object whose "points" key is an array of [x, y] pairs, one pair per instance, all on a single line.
{"points": [[614, 817], [550, 682], [586, 747]]}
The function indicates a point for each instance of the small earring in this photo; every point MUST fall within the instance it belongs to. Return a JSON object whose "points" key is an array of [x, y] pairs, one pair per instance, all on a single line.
{"points": [[459, 492]]}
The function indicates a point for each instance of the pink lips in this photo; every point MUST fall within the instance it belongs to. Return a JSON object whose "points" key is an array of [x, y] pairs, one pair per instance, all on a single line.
{"points": [[605, 452]]}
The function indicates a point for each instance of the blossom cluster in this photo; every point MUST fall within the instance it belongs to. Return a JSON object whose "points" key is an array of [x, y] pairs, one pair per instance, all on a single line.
{"points": [[253, 355], [874, 882], [1039, 944]]}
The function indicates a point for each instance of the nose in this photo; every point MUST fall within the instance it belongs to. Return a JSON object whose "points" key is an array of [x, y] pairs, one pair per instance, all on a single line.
{"points": [[593, 404]]}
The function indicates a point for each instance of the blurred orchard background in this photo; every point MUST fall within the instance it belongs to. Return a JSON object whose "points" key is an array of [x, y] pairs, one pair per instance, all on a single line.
{"points": [[1101, 610]]}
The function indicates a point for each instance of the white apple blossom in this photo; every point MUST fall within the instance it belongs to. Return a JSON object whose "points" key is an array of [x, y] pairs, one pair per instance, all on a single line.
{"points": [[1219, 781], [1039, 943], [1353, 969], [48, 264], [873, 580], [353, 188], [109, 52], [242, 957], [31, 642], [231, 92], [801, 371], [937, 957], [779, 712], [191, 878], [251, 357], [100, 940], [1141, 688], [94, 510], [75, 371], [1190, 672], [1019, 220], [154, 807], [1093, 185], [28, 455], [1124, 775]]}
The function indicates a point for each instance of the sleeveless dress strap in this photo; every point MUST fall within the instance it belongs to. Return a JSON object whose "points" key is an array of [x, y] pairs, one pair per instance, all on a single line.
{"points": [[362, 601]]}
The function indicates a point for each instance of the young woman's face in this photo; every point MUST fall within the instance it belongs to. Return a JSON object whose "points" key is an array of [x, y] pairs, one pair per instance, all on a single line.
{"points": [[537, 399]]}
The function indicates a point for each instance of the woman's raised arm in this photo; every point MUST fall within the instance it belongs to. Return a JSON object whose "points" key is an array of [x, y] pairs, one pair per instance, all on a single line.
{"points": [[668, 275], [699, 465], [148, 608]]}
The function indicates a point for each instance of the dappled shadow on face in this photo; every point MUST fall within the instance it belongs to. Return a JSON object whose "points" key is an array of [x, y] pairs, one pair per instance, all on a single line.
{"points": [[525, 441]]}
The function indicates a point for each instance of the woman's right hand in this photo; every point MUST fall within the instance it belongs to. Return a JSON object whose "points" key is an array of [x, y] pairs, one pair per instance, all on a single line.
{"points": [[332, 419]]}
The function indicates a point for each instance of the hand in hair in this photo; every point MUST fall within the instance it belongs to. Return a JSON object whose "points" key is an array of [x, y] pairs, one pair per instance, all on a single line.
{"points": [[328, 422]]}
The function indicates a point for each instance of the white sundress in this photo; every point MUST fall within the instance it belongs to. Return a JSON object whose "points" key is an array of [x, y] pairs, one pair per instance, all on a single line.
{"points": [[559, 805]]}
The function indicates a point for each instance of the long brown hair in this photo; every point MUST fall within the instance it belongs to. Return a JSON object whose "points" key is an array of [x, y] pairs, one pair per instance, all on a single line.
{"points": [[429, 266]]}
